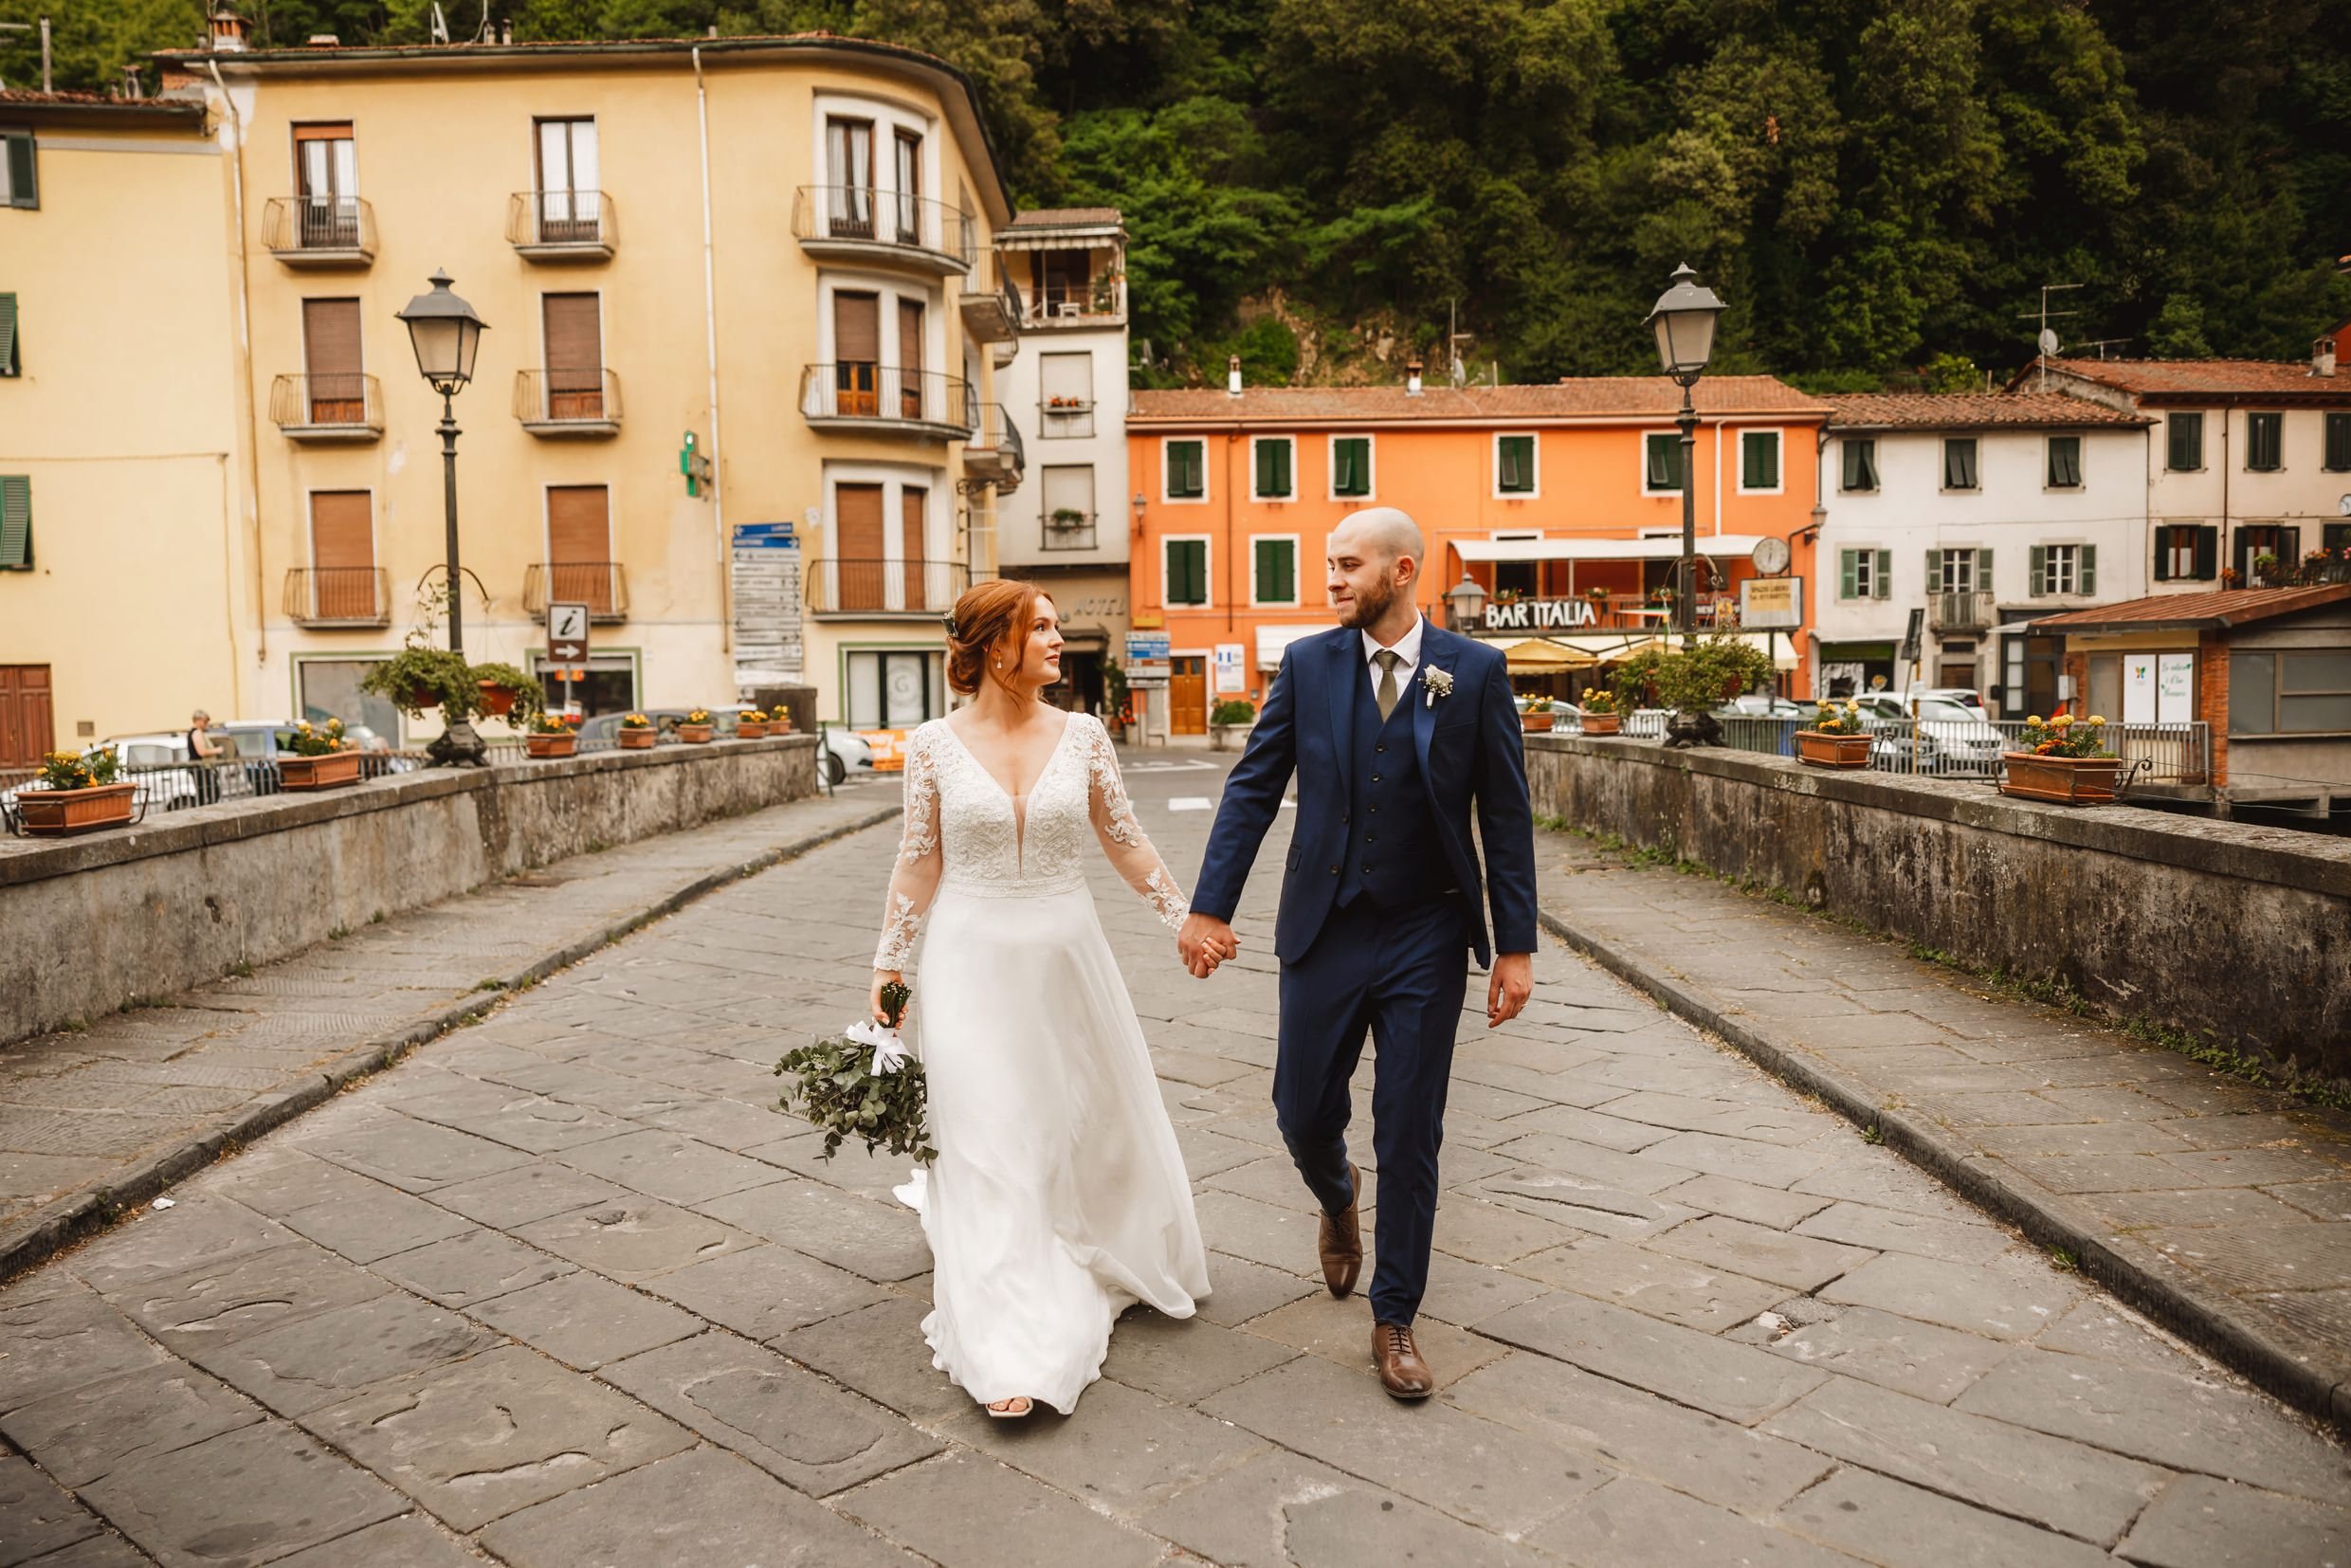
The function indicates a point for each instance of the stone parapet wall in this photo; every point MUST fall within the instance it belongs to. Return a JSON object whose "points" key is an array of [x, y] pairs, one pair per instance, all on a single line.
{"points": [[89, 924], [2239, 936]]}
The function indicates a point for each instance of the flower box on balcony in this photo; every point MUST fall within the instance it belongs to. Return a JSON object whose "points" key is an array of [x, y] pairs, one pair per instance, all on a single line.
{"points": [[329, 772], [1820, 749], [2067, 780], [55, 812], [697, 735], [552, 745], [750, 729]]}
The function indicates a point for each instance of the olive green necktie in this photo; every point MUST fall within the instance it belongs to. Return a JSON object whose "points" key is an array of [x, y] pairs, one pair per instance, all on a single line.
{"points": [[1386, 694]]}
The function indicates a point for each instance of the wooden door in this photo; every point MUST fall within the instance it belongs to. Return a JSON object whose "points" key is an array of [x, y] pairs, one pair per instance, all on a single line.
{"points": [[856, 352], [28, 728], [912, 535], [342, 556], [327, 166], [1187, 697], [909, 359], [331, 355], [579, 546], [857, 557], [574, 334], [569, 208]]}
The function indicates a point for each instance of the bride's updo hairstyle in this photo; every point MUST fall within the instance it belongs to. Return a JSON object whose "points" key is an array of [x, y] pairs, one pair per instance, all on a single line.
{"points": [[985, 619]]}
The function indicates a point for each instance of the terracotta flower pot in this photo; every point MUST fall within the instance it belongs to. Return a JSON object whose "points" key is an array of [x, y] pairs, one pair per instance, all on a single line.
{"points": [[319, 773], [697, 735], [2067, 780], [639, 740], [61, 811], [1826, 749], [497, 700], [1535, 722], [1603, 723], [420, 698], [780, 725], [750, 729], [552, 745]]}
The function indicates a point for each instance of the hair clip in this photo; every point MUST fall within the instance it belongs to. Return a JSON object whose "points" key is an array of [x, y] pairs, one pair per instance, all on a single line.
{"points": [[948, 621]]}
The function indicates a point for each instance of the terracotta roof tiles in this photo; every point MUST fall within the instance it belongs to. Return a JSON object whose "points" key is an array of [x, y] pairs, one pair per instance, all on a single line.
{"points": [[2203, 377], [2225, 607], [1972, 411]]}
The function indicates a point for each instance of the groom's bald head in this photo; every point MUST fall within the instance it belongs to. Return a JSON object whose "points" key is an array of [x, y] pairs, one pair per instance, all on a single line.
{"points": [[1386, 533], [1375, 565]]}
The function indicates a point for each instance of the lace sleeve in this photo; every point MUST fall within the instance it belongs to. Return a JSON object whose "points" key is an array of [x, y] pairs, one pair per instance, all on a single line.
{"points": [[1122, 837], [914, 881]]}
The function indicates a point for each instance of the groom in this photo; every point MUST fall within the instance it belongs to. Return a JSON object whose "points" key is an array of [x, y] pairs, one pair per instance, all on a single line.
{"points": [[1395, 731]]}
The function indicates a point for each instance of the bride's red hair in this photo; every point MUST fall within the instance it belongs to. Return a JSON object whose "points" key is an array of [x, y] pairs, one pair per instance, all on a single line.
{"points": [[987, 616]]}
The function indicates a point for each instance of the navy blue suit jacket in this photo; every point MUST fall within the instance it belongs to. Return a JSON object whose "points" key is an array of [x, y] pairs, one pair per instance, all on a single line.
{"points": [[1471, 758]]}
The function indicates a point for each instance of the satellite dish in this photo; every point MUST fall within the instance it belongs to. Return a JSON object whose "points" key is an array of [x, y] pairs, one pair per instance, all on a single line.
{"points": [[440, 30], [2048, 341], [1771, 556]]}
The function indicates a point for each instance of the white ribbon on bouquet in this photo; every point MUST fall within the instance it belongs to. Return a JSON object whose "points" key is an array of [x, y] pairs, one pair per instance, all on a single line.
{"points": [[889, 1054]]}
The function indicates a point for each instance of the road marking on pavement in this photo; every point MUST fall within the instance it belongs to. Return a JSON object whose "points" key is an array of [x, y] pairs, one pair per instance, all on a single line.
{"points": [[1187, 803]]}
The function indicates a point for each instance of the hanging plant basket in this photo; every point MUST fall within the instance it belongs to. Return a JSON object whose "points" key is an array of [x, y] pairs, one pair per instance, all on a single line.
{"points": [[56, 812], [2067, 780], [1822, 749], [420, 697], [329, 772], [552, 745], [497, 700]]}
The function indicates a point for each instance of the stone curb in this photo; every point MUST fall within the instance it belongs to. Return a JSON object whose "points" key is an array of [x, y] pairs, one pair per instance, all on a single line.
{"points": [[69, 1219], [2203, 1316]]}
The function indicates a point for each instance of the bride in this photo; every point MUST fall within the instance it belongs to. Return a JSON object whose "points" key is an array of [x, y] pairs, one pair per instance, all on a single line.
{"points": [[1059, 1198]]}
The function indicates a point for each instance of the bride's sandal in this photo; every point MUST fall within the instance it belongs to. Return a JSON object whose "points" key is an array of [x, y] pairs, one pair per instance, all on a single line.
{"points": [[1011, 1410]]}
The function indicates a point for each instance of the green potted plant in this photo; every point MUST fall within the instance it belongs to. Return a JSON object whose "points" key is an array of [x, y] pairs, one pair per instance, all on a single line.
{"points": [[696, 728], [504, 687], [77, 795], [2266, 571], [1838, 739], [551, 736], [1066, 517], [1600, 711], [317, 758], [2065, 761], [419, 678], [1537, 717], [1229, 725], [1693, 684], [750, 724], [637, 733]]}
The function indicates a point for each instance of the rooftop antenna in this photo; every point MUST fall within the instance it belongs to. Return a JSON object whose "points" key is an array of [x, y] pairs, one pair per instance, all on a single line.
{"points": [[440, 33], [2102, 344], [1459, 374], [2048, 340]]}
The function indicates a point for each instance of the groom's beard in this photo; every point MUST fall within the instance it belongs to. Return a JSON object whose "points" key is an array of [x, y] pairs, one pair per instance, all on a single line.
{"points": [[1368, 605]]}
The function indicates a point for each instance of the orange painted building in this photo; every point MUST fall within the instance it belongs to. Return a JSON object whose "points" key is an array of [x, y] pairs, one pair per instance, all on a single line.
{"points": [[1541, 494]]}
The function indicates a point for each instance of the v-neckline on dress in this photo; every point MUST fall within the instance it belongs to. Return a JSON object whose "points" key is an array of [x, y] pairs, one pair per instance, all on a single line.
{"points": [[1018, 802]]}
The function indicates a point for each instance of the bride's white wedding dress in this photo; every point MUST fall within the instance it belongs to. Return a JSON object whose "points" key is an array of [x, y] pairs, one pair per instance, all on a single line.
{"points": [[1059, 1198]]}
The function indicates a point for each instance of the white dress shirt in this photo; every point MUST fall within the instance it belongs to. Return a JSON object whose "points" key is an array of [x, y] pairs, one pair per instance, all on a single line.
{"points": [[1407, 650]]}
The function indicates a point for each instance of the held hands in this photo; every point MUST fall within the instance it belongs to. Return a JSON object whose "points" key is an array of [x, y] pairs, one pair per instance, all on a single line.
{"points": [[1508, 989], [1204, 942]]}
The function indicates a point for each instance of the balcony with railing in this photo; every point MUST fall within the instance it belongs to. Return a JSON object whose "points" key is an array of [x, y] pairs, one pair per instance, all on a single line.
{"points": [[337, 407], [602, 586], [1100, 302], [994, 454], [852, 223], [858, 397], [881, 588], [1066, 528], [1961, 610], [329, 596], [568, 403], [989, 304], [320, 230], [561, 226]]}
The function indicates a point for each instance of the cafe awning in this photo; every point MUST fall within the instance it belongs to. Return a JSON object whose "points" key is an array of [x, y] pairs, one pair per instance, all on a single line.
{"points": [[1609, 647], [1661, 547], [1273, 640], [1541, 656]]}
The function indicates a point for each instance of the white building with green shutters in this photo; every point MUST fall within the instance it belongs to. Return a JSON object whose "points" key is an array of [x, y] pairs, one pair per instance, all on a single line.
{"points": [[1981, 511]]}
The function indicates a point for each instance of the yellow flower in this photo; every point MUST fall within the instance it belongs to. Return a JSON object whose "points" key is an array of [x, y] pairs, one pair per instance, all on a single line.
{"points": [[2095, 719], [2034, 720], [2063, 721]]}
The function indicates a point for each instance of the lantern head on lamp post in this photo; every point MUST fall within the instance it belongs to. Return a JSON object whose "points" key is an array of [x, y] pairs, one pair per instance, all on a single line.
{"points": [[445, 332], [1685, 320], [1465, 604]]}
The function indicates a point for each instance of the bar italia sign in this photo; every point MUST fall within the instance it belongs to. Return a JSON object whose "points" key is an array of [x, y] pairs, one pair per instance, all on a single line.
{"points": [[1539, 614]]}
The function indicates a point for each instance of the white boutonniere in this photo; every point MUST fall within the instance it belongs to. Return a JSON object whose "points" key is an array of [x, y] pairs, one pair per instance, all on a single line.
{"points": [[1437, 682]]}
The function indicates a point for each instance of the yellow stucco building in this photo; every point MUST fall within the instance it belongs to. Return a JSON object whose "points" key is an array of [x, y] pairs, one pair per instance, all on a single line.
{"points": [[123, 605], [765, 250]]}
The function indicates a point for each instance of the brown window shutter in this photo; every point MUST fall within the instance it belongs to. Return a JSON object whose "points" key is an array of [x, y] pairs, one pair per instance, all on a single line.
{"points": [[340, 131], [910, 387], [911, 545], [579, 545], [331, 354], [857, 565], [575, 355], [342, 555], [857, 328]]}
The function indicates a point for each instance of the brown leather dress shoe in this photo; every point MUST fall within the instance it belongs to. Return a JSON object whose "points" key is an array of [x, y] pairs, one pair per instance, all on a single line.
{"points": [[1341, 1242], [1402, 1373]]}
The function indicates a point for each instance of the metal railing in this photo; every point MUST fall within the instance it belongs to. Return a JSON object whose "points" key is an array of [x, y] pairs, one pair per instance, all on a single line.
{"points": [[343, 226], [867, 587], [2171, 753], [1070, 305], [342, 404], [859, 216], [338, 596], [176, 786], [1961, 610], [995, 450], [602, 586], [886, 394], [561, 220], [1069, 534], [554, 400]]}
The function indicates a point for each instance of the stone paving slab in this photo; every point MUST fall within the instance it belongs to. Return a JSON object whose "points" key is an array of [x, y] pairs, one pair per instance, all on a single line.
{"points": [[438, 1319], [95, 1120], [2216, 1206]]}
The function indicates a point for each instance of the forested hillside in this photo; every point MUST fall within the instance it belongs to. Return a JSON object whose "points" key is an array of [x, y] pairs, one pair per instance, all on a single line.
{"points": [[1878, 187]]}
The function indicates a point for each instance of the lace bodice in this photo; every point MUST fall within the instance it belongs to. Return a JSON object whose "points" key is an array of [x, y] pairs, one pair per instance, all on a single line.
{"points": [[964, 831]]}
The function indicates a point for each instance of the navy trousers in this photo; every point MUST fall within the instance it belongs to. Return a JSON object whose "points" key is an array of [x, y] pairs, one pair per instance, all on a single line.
{"points": [[1399, 973]]}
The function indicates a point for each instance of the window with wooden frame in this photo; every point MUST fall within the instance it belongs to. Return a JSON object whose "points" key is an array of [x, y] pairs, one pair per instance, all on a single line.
{"points": [[1273, 574], [1187, 470], [2062, 569], [1865, 573], [335, 375], [574, 328], [912, 391], [569, 202], [856, 352], [1958, 463], [1185, 567], [11, 359], [907, 145], [1351, 467], [2065, 462], [1270, 464], [848, 178], [914, 505], [326, 179], [2186, 552], [1758, 461], [1661, 465], [2265, 443], [1860, 461], [1514, 466], [342, 556], [1064, 395], [15, 522], [20, 183], [1963, 570], [2183, 443], [2338, 441], [579, 546]]}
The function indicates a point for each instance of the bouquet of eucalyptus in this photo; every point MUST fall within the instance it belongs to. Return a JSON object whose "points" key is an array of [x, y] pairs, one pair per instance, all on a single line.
{"points": [[862, 1082]]}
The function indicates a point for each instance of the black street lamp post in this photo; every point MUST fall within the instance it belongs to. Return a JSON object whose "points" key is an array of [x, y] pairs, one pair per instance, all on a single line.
{"points": [[445, 332], [1685, 322]]}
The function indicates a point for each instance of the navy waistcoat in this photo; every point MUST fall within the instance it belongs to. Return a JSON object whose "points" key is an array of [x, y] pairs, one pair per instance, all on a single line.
{"points": [[1393, 856]]}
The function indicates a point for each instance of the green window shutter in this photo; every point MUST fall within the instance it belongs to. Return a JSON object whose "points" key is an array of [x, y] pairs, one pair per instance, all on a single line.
{"points": [[1883, 586], [1282, 450], [2162, 554], [2065, 462], [2207, 554], [1277, 578], [2086, 573], [1759, 460], [1516, 456], [1187, 572], [1273, 470], [1351, 467], [1852, 450], [8, 335], [16, 522], [2039, 571], [2338, 441], [1183, 469], [1849, 569], [2186, 439], [1934, 570], [2263, 443], [23, 174], [1983, 572], [1665, 463]]}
